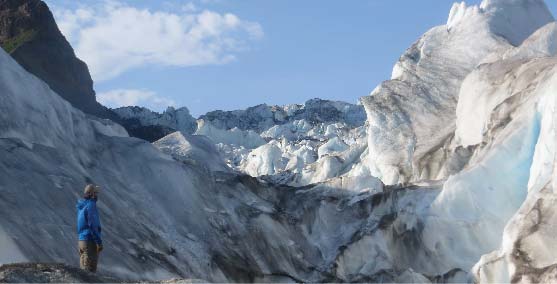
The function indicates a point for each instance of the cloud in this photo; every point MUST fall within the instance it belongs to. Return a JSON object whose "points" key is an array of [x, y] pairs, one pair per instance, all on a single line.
{"points": [[113, 37], [130, 97]]}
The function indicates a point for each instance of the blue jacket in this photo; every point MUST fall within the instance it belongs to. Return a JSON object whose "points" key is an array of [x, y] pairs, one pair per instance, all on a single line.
{"points": [[88, 223]]}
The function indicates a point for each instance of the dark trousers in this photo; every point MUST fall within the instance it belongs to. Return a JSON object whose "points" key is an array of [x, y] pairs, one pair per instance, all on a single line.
{"points": [[88, 255]]}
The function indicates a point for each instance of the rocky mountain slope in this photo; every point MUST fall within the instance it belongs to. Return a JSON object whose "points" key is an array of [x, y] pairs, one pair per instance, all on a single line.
{"points": [[29, 33], [471, 106]]}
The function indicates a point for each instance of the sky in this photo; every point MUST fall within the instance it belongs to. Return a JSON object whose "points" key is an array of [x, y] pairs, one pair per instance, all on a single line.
{"points": [[232, 54]]}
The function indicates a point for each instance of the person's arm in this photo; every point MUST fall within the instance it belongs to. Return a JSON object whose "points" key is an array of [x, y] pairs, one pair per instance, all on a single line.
{"points": [[94, 223]]}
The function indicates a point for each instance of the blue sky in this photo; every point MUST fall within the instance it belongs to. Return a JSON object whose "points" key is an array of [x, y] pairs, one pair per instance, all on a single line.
{"points": [[243, 52]]}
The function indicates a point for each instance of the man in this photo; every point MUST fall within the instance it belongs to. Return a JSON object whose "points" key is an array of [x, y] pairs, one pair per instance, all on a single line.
{"points": [[89, 229]]}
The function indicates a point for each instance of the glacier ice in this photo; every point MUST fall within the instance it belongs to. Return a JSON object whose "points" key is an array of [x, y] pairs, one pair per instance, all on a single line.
{"points": [[168, 211], [10, 251], [196, 149], [523, 253], [292, 144], [412, 114], [151, 126], [444, 173]]}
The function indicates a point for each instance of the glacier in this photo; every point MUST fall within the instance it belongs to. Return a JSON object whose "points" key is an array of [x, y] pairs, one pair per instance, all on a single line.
{"points": [[152, 202], [297, 144], [412, 116], [444, 173]]}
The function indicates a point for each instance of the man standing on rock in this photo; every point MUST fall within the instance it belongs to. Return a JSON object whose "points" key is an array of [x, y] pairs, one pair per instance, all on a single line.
{"points": [[89, 229]]}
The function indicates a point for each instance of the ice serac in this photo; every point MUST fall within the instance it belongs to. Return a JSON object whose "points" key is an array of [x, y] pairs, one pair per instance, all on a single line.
{"points": [[490, 85], [412, 116], [516, 20], [506, 112], [294, 144], [262, 117], [529, 237]]}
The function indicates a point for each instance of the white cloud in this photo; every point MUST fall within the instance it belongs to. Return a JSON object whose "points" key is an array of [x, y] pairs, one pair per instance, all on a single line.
{"points": [[130, 97], [113, 37], [69, 21]]}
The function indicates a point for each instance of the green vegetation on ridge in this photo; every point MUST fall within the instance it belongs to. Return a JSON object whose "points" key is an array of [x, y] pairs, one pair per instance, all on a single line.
{"points": [[14, 43]]}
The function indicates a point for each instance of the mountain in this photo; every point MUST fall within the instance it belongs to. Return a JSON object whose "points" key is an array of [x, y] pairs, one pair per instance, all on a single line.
{"points": [[29, 33], [456, 185]]}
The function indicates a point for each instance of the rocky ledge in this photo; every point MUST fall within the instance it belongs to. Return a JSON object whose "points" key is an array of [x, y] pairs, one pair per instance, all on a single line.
{"points": [[61, 273]]}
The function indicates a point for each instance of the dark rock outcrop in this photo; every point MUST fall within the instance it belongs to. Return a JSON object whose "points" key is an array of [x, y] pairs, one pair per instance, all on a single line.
{"points": [[49, 273], [61, 273], [152, 126], [149, 133], [28, 32]]}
